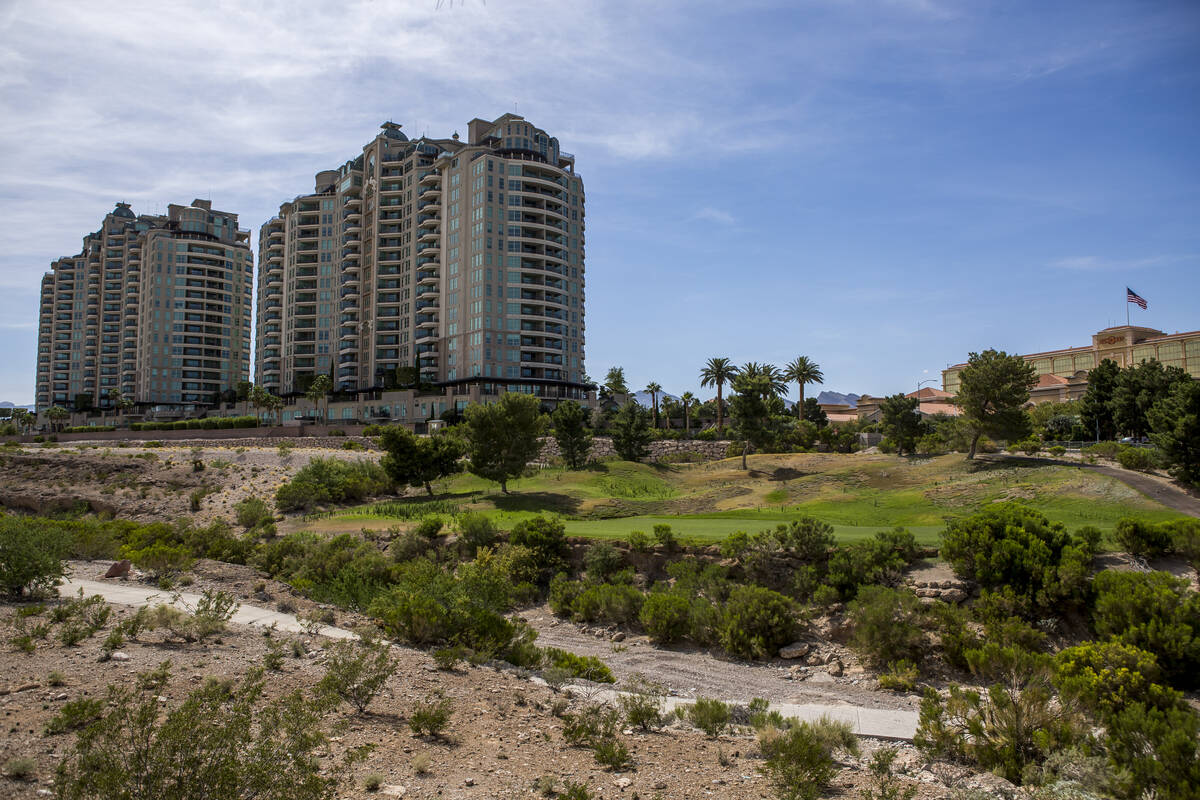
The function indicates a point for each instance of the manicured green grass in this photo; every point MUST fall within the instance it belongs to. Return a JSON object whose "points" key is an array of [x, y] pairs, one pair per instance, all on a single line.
{"points": [[858, 495]]}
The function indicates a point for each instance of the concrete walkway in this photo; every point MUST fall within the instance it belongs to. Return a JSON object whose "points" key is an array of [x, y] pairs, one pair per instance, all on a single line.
{"points": [[129, 593], [874, 722]]}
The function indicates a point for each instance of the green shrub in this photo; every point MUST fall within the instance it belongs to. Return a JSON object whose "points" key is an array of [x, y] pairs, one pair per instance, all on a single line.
{"points": [[252, 512], [357, 670], [664, 537], [666, 616], [1103, 449], [1154, 751], [1057, 450], [160, 558], [210, 617], [546, 537], [596, 727], [588, 668], [476, 530], [709, 715], [601, 560], [1010, 730], [608, 603], [901, 676], [1107, 677], [1146, 539], [332, 480], [885, 785], [74, 715], [1154, 612], [799, 760], [642, 702], [432, 715], [1012, 546], [885, 624], [224, 737], [639, 542], [756, 622], [1030, 446], [1137, 458], [32, 559], [429, 527]]}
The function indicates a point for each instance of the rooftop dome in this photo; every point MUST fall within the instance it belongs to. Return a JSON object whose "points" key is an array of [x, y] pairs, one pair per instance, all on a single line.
{"points": [[391, 130], [122, 210]]}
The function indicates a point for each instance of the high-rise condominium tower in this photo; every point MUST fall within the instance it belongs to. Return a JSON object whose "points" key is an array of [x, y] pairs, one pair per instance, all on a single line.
{"points": [[157, 307], [458, 263]]}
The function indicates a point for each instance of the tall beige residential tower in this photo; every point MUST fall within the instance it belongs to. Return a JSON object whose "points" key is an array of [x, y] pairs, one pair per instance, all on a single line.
{"points": [[157, 307], [461, 262]]}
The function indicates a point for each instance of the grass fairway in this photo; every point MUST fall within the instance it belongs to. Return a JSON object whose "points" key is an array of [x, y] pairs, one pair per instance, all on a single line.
{"points": [[857, 494]]}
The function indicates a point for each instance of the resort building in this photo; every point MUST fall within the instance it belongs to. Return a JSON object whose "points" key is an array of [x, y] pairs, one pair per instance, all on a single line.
{"points": [[1062, 374], [448, 263], [157, 307]]}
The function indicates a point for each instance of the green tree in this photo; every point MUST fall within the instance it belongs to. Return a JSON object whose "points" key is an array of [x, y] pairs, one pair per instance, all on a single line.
{"points": [[717, 372], [318, 392], [813, 412], [259, 397], [503, 437], [614, 381], [775, 384], [244, 389], [630, 431], [653, 388], [1138, 389], [1095, 408], [994, 388], [688, 400], [23, 419], [1175, 425], [803, 371], [571, 433], [417, 461], [750, 412], [901, 422]]}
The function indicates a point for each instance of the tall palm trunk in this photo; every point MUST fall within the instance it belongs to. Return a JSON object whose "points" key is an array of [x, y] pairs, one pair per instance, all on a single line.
{"points": [[720, 414]]}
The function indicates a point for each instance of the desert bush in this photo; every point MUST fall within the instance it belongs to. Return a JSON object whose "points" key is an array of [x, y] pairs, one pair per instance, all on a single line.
{"points": [[74, 715], [799, 760], [1103, 449], [1057, 450], [756, 622], [1154, 752], [596, 727], [223, 737], [886, 625], [709, 715], [806, 539], [20, 768], [1154, 612], [431, 715], [429, 527], [546, 537], [357, 670], [252, 512], [32, 558], [884, 783], [666, 616], [210, 617], [332, 480], [901, 676], [642, 702], [878, 560], [575, 666], [1012, 546], [607, 603], [1010, 730], [1107, 677], [1141, 459], [475, 530], [601, 560]]}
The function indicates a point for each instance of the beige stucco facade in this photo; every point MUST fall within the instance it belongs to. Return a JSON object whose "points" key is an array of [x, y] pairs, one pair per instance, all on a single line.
{"points": [[1062, 374]]}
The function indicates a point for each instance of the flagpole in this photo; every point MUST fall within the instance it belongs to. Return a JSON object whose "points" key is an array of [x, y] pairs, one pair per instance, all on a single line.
{"points": [[1127, 323]]}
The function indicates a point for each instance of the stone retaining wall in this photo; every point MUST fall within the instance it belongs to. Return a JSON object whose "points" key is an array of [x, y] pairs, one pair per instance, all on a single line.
{"points": [[602, 447]]}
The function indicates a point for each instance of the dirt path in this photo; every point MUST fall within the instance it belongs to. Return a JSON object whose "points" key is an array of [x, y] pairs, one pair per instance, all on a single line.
{"points": [[695, 673], [687, 674]]}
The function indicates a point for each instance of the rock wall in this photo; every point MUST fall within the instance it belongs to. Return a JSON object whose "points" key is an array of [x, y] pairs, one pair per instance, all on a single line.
{"points": [[692, 450]]}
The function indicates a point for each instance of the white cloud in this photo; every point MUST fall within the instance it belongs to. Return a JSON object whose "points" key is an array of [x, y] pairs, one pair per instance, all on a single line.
{"points": [[714, 215]]}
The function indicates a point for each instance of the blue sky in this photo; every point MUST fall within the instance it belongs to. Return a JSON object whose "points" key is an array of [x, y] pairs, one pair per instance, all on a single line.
{"points": [[881, 186]]}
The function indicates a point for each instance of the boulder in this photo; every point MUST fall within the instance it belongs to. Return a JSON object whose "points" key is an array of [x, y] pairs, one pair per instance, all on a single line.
{"points": [[119, 569], [795, 650]]}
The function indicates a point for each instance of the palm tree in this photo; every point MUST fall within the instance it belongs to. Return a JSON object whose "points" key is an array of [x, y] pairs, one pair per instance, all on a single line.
{"points": [[22, 419], [56, 415], [688, 400], [803, 371], [653, 388], [775, 385], [318, 390], [717, 372], [124, 404]]}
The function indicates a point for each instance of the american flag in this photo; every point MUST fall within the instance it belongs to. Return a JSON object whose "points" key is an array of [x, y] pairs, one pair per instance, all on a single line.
{"points": [[1133, 297]]}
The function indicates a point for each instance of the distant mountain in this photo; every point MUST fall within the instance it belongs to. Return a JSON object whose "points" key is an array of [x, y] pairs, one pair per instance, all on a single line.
{"points": [[838, 398], [6, 404]]}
